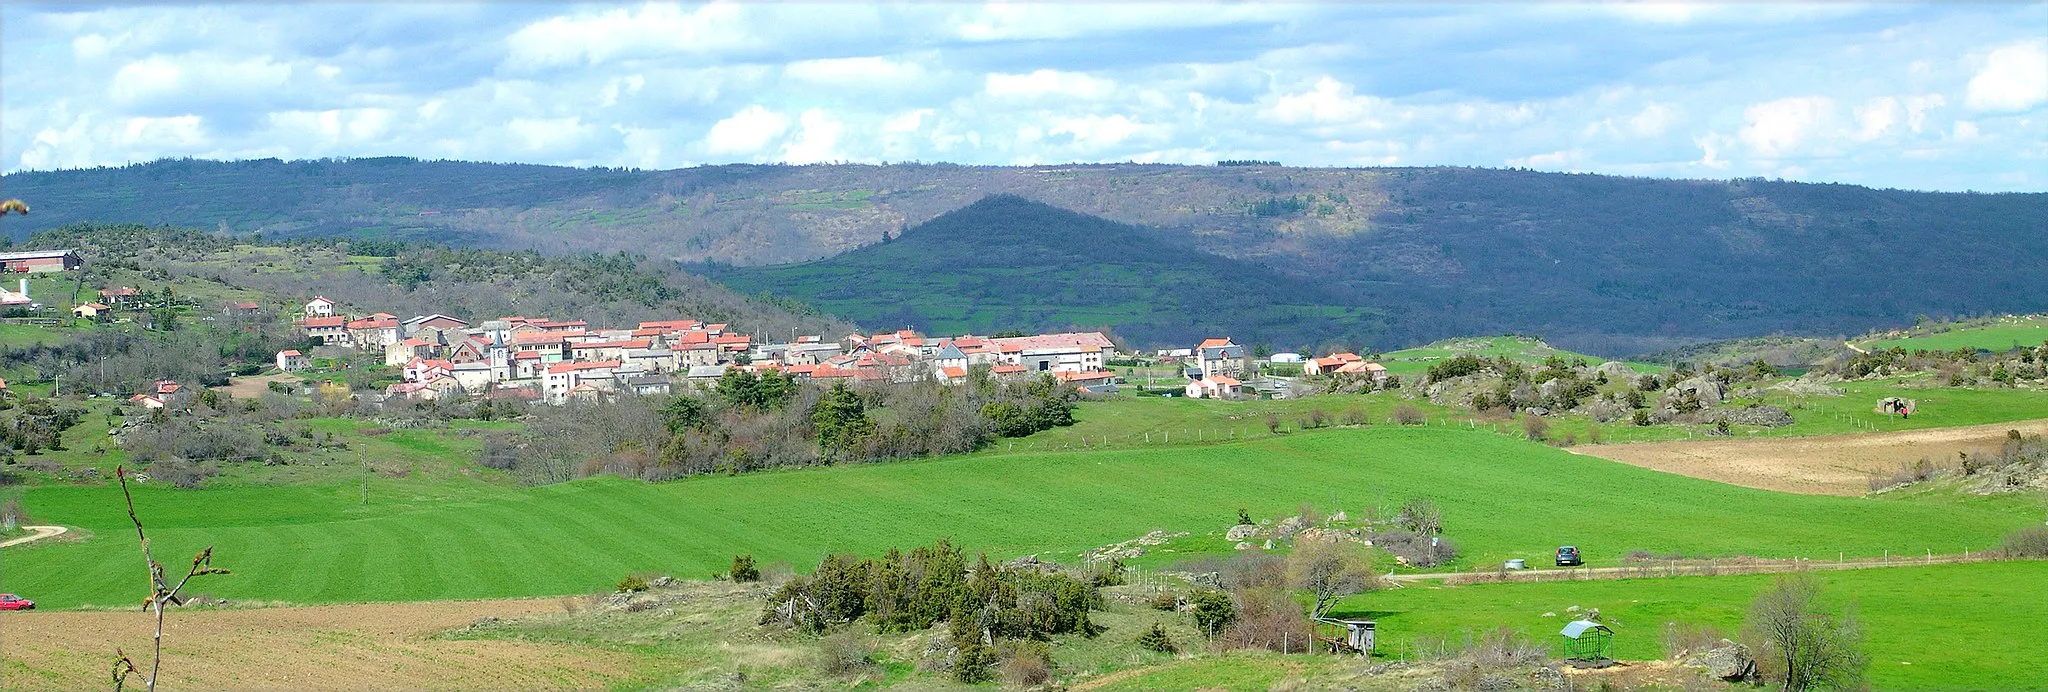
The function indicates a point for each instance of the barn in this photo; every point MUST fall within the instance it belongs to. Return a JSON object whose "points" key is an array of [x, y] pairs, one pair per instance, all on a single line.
{"points": [[39, 261]]}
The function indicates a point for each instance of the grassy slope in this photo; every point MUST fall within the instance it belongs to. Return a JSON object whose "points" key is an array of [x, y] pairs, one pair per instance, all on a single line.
{"points": [[1414, 361], [1947, 626], [1851, 413], [453, 538], [2005, 335]]}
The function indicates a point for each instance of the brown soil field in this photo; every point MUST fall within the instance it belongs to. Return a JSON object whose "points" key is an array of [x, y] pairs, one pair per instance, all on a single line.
{"points": [[366, 646], [1823, 465], [254, 386]]}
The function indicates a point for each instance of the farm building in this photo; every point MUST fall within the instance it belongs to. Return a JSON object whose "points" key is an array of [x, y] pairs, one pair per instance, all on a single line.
{"points": [[37, 261], [89, 311]]}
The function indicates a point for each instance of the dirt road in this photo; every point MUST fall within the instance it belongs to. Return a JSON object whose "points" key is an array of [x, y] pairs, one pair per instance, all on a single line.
{"points": [[1825, 465], [38, 533], [254, 386], [367, 646]]}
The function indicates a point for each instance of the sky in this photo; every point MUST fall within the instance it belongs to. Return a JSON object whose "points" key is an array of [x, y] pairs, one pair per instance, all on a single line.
{"points": [[1917, 96]]}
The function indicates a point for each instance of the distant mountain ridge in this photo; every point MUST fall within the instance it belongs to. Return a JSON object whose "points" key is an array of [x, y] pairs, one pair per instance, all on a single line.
{"points": [[1006, 262], [1594, 263]]}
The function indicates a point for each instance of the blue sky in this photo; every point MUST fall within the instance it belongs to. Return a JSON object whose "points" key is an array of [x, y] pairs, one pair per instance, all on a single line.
{"points": [[1944, 97]]}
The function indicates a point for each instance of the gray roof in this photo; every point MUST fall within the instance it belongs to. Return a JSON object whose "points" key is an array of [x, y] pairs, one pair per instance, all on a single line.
{"points": [[35, 254], [1576, 628], [950, 352], [707, 371]]}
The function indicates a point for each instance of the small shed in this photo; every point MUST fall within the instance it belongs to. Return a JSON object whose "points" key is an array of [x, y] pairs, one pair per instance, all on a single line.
{"points": [[1357, 635], [1585, 640]]}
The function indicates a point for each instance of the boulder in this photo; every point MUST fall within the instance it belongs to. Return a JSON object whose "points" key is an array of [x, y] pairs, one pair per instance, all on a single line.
{"points": [[1708, 389], [1340, 516], [1241, 532], [1616, 371], [1244, 545], [1550, 388], [1289, 526], [1726, 661], [1763, 416]]}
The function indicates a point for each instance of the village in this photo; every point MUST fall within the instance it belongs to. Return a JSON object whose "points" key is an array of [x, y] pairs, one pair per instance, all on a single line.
{"points": [[522, 358]]}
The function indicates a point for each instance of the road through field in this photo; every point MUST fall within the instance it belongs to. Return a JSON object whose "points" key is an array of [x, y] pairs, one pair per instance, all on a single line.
{"points": [[364, 646], [1821, 465]]}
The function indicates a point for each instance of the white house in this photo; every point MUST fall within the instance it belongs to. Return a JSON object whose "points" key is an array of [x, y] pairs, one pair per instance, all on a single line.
{"points": [[1066, 352], [1221, 357], [289, 360], [1215, 387], [319, 306]]}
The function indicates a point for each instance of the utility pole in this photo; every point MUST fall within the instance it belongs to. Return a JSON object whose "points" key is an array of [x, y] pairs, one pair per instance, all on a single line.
{"points": [[366, 477]]}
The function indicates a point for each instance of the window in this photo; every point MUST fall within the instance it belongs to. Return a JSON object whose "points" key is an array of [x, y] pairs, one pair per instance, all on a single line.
{"points": [[1044, 365]]}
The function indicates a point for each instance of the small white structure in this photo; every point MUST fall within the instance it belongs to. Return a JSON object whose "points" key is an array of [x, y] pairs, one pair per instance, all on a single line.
{"points": [[1285, 358], [319, 307], [292, 359]]}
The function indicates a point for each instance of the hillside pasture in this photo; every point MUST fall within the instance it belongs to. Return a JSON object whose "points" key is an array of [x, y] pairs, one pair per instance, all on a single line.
{"points": [[1939, 627], [1999, 335], [449, 535], [1827, 465], [1416, 361]]}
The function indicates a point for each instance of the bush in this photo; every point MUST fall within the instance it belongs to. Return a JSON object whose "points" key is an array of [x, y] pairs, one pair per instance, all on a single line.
{"points": [[1416, 549], [846, 653], [1026, 663], [1355, 416], [1534, 427], [1641, 418], [1409, 415], [1165, 600], [1213, 612], [631, 584], [2031, 541], [1155, 639], [743, 569], [1270, 619]]}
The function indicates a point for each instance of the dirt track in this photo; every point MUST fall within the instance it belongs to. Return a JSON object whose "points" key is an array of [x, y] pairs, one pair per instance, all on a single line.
{"points": [[254, 386], [1826, 465], [369, 646]]}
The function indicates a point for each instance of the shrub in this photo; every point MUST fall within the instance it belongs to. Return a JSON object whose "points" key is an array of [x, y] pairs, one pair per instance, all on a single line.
{"points": [[846, 653], [743, 569], [1165, 600], [1026, 663], [2031, 541], [1155, 639], [1534, 427], [1456, 366], [1355, 416], [1273, 423], [1213, 612], [1408, 415], [976, 660], [1244, 518], [631, 584], [1415, 548], [1270, 619], [1641, 418]]}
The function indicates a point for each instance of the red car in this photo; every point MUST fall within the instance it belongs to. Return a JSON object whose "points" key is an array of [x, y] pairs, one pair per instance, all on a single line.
{"points": [[10, 601]]}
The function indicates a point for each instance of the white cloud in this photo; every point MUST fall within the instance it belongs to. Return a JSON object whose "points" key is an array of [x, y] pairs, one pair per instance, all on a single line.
{"points": [[1966, 131], [746, 132], [2014, 78], [868, 71], [1776, 128], [1653, 120], [1876, 118], [1048, 83], [907, 121], [1329, 102], [653, 29], [1566, 160], [817, 139], [1094, 132], [1917, 108]]}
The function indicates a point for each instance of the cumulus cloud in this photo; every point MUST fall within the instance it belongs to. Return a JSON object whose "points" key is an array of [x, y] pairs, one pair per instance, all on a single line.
{"points": [[1872, 94], [746, 132], [2014, 78], [1775, 128]]}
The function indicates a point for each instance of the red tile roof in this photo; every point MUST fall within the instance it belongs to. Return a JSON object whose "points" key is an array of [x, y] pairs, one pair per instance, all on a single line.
{"points": [[323, 322], [592, 365], [1214, 343]]}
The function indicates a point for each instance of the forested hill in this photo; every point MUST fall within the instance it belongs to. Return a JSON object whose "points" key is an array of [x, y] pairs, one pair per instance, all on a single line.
{"points": [[1595, 263], [1009, 263]]}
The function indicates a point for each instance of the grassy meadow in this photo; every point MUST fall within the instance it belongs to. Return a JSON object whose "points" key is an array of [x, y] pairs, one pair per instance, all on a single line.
{"points": [[1999, 335], [1936, 627], [1415, 361], [459, 534]]}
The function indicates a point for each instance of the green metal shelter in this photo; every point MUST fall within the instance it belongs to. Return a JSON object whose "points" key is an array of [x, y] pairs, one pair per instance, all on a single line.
{"points": [[1586, 640]]}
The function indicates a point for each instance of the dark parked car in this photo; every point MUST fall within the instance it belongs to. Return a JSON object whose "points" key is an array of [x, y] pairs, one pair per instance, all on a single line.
{"points": [[1568, 556], [10, 601]]}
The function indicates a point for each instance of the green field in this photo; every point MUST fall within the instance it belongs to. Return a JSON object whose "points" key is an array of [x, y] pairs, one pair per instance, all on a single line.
{"points": [[447, 536], [2002, 335], [1944, 407], [1939, 627]]}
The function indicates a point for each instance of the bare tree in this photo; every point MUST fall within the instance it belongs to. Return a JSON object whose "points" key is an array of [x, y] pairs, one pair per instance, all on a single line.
{"points": [[161, 592], [1805, 643], [1329, 570]]}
